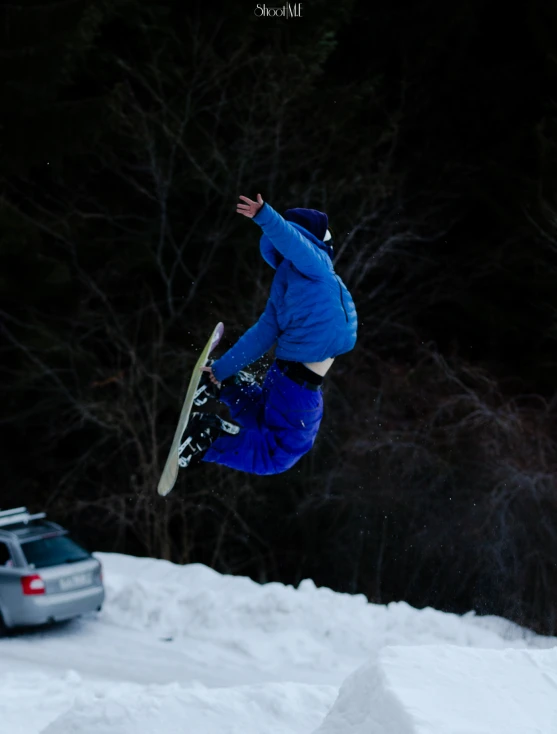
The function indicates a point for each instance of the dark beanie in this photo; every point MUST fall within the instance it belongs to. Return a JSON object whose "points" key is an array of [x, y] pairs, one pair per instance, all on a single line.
{"points": [[310, 219]]}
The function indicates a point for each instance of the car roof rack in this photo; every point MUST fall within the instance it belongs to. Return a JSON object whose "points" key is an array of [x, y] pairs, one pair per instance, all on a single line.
{"points": [[17, 515]]}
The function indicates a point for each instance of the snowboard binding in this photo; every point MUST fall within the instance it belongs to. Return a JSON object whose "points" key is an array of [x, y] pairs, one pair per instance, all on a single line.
{"points": [[207, 390], [202, 430]]}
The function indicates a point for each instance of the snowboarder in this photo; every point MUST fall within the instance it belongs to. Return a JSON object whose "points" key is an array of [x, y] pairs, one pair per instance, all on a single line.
{"points": [[311, 318]]}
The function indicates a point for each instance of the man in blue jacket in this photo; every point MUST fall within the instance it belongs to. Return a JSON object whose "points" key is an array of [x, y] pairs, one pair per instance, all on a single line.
{"points": [[311, 318]]}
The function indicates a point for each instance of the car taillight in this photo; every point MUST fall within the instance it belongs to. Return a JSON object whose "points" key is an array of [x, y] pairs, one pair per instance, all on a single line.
{"points": [[32, 585]]}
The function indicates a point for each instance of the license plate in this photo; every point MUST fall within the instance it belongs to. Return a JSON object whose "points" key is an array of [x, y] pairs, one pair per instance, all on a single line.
{"points": [[76, 581]]}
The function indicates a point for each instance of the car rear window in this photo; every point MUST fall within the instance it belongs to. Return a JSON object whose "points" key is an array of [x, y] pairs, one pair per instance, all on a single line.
{"points": [[55, 551]]}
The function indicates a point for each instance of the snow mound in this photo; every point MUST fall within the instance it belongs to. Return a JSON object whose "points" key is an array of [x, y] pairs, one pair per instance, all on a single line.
{"points": [[29, 700], [449, 690], [276, 708], [185, 649], [273, 625]]}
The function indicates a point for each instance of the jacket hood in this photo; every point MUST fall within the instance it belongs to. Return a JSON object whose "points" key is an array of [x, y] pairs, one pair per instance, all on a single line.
{"points": [[313, 220], [273, 257]]}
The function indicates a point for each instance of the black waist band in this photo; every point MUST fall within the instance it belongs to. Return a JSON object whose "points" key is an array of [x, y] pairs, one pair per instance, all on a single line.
{"points": [[298, 372]]}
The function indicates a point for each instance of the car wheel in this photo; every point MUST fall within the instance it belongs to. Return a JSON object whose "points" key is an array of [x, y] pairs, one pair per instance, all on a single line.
{"points": [[3, 628]]}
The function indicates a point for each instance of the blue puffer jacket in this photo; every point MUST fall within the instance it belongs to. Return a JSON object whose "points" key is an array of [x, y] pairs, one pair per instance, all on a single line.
{"points": [[310, 314]]}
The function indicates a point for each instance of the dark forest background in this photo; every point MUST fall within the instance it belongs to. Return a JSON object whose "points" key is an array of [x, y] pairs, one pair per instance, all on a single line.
{"points": [[427, 131]]}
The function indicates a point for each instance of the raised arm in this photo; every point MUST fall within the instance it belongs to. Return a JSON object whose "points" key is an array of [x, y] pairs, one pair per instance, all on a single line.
{"points": [[249, 347], [289, 241]]}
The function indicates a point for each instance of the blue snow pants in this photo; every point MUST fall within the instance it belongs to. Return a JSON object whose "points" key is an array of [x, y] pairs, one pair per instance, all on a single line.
{"points": [[279, 422]]}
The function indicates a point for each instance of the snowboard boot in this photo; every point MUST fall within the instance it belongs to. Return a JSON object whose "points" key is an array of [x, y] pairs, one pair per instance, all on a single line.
{"points": [[207, 390], [240, 379], [201, 431]]}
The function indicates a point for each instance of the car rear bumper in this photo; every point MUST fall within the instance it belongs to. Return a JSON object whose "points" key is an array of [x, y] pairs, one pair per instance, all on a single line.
{"points": [[45, 608]]}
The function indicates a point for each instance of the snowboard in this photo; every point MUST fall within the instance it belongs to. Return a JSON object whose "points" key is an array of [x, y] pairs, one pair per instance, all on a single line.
{"points": [[170, 471]]}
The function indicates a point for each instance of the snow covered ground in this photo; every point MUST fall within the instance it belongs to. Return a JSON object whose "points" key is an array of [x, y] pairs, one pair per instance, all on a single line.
{"points": [[184, 649]]}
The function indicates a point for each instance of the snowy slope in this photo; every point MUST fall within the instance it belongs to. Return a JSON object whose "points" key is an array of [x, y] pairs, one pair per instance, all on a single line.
{"points": [[185, 649], [449, 690]]}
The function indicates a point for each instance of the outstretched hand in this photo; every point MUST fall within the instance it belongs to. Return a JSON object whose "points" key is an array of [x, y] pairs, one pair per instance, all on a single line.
{"points": [[249, 208]]}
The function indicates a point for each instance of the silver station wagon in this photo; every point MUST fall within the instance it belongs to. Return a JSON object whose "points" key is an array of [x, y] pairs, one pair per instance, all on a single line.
{"points": [[44, 575]]}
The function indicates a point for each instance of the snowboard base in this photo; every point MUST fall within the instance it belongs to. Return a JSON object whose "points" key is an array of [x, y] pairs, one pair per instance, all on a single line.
{"points": [[170, 471]]}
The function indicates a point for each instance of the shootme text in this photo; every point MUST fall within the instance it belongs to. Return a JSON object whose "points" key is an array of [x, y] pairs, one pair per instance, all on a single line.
{"points": [[284, 11]]}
